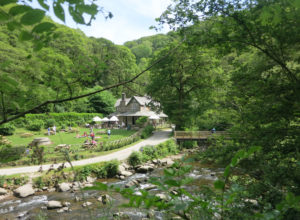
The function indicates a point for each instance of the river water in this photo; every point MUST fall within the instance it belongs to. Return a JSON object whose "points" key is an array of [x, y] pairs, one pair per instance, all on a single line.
{"points": [[34, 207]]}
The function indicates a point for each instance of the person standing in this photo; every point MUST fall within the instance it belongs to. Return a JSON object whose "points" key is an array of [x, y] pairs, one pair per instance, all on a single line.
{"points": [[92, 136], [49, 131], [54, 129], [108, 132]]}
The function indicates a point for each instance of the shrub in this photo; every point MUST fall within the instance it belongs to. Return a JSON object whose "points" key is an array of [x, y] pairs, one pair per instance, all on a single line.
{"points": [[49, 123], [9, 153], [189, 144], [84, 172], [111, 168], [7, 129], [35, 125], [39, 182], [135, 158], [147, 131], [149, 152], [141, 121], [172, 146], [71, 118], [159, 151], [2, 181]]}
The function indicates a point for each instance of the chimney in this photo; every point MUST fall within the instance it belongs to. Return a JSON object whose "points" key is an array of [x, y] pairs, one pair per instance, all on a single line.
{"points": [[123, 96]]}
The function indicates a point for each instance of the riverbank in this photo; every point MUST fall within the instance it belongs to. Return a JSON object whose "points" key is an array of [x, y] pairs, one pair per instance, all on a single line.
{"points": [[69, 202]]}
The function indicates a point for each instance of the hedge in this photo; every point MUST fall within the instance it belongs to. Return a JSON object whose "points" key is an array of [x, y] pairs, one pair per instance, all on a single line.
{"points": [[68, 118]]}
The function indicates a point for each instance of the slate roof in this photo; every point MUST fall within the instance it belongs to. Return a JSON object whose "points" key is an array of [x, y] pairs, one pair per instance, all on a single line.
{"points": [[119, 101], [141, 113], [142, 100]]}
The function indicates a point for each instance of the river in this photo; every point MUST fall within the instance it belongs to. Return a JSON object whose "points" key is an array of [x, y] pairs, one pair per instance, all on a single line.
{"points": [[34, 207]]}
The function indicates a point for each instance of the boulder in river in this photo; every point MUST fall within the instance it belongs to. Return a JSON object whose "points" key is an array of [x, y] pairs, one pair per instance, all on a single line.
{"points": [[86, 204], [54, 204], [22, 215], [2, 191], [64, 209], [105, 199], [63, 187], [126, 173], [131, 183], [161, 196], [121, 168], [121, 215], [166, 162], [144, 169], [90, 179], [24, 191]]}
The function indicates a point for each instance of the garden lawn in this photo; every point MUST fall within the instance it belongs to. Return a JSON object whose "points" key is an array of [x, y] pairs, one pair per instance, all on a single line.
{"points": [[67, 138], [76, 151]]}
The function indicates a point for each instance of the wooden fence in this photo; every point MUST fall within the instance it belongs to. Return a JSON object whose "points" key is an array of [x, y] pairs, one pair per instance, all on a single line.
{"points": [[197, 135]]}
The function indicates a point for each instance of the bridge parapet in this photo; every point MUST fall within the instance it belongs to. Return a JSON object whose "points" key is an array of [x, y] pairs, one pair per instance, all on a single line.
{"points": [[197, 135]]}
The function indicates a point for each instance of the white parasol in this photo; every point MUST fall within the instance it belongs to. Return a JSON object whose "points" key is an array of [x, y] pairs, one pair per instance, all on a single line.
{"points": [[113, 118], [97, 119], [154, 117], [105, 119]]}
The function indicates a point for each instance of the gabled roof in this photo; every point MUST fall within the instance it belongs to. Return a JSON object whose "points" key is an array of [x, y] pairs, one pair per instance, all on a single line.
{"points": [[119, 101], [142, 100]]}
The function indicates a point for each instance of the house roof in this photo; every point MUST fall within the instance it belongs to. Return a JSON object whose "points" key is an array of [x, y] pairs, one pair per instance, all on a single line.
{"points": [[119, 101], [142, 100], [141, 113]]}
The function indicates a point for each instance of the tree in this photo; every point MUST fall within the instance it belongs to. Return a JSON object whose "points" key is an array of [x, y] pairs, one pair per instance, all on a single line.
{"points": [[181, 83], [103, 102], [31, 23], [259, 40]]}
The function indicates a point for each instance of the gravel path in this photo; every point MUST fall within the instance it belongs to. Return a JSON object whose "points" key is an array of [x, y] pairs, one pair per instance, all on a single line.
{"points": [[156, 138]]}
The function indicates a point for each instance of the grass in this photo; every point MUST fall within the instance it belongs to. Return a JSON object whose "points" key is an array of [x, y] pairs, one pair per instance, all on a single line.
{"points": [[76, 152], [65, 137]]}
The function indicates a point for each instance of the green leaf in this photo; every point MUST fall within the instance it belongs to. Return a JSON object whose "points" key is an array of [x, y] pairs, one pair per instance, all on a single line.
{"points": [[59, 11], [42, 27], [12, 25], [24, 36], [32, 17], [9, 80], [172, 183], [77, 17], [169, 172], [43, 4], [6, 2], [19, 9], [254, 149], [219, 184], [89, 9], [3, 16], [180, 207], [38, 46], [226, 171]]}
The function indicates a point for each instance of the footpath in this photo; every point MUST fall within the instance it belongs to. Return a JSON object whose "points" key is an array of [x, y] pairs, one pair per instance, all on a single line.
{"points": [[157, 138]]}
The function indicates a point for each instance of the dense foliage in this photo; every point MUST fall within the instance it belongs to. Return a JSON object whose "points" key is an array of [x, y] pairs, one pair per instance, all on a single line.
{"points": [[236, 67], [257, 51], [148, 153]]}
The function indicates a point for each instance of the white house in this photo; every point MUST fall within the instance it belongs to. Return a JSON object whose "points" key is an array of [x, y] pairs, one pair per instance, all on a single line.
{"points": [[128, 110]]}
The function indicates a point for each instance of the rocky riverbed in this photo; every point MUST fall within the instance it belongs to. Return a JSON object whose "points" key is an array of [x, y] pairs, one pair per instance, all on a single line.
{"points": [[67, 201]]}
